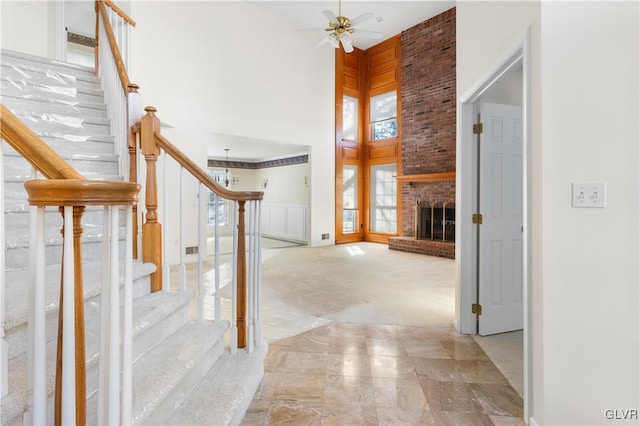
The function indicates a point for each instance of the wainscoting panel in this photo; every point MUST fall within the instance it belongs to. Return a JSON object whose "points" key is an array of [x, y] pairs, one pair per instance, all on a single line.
{"points": [[288, 221]]}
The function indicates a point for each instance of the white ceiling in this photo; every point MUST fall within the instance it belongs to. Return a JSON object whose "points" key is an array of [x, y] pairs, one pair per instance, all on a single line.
{"points": [[390, 19], [251, 150]]}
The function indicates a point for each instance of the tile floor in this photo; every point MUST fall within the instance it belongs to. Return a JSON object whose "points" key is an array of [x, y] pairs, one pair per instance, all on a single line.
{"points": [[361, 335]]}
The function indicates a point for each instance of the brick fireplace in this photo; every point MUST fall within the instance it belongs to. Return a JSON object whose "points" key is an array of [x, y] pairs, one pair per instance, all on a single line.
{"points": [[428, 93]]}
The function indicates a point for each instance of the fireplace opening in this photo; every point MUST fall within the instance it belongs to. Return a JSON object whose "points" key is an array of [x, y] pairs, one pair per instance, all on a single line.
{"points": [[436, 221]]}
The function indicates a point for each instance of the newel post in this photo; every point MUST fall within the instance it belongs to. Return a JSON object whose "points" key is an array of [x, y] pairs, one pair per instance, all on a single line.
{"points": [[241, 274], [151, 229]]}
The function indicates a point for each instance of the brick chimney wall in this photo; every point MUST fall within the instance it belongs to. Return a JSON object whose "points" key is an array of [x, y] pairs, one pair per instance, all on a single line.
{"points": [[428, 93], [428, 86]]}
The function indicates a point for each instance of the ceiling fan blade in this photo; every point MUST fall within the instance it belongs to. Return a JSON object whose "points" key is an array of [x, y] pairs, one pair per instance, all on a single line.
{"points": [[362, 18], [330, 39], [346, 43], [330, 16], [322, 42], [367, 34]]}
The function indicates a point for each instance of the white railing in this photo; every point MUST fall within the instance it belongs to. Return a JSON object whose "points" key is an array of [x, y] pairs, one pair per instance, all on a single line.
{"points": [[215, 266], [115, 335], [226, 269], [115, 377], [111, 80]]}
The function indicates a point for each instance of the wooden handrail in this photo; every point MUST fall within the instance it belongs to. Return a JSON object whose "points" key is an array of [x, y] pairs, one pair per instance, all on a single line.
{"points": [[115, 50], [33, 149], [152, 142], [202, 176], [81, 192], [120, 13]]}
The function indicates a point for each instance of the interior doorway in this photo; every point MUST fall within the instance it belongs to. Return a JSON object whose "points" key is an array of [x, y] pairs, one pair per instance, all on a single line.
{"points": [[507, 82]]}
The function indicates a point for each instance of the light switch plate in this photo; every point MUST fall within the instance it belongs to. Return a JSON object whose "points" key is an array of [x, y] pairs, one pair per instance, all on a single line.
{"points": [[588, 194]]}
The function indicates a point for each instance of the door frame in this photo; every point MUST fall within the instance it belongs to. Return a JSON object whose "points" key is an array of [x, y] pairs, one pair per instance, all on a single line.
{"points": [[466, 200]]}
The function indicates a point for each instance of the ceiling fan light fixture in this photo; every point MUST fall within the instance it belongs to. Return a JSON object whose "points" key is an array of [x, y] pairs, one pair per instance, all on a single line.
{"points": [[333, 40], [346, 43], [340, 28]]}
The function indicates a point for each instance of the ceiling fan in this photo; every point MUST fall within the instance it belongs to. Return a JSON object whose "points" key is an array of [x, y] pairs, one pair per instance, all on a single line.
{"points": [[341, 28]]}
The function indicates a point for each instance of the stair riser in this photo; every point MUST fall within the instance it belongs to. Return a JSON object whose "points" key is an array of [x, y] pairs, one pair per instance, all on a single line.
{"points": [[54, 106], [53, 219], [18, 258], [18, 168], [66, 148], [155, 335], [20, 76], [71, 125], [181, 391], [34, 65], [62, 94], [75, 139]]}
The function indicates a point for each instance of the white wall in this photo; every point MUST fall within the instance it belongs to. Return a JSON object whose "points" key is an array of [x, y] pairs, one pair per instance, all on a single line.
{"points": [[590, 71], [584, 280], [187, 191], [286, 201], [229, 67], [286, 184], [285, 204], [28, 27]]}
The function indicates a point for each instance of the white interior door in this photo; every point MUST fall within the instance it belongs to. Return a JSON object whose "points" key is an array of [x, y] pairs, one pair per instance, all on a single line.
{"points": [[501, 231]]}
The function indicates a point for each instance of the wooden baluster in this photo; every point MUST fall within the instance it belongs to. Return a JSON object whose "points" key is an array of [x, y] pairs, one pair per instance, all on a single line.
{"points": [[151, 229], [133, 115], [241, 313], [81, 382]]}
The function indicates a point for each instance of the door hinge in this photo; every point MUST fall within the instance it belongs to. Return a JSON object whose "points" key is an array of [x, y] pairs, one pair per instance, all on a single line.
{"points": [[476, 218], [476, 308], [477, 128]]}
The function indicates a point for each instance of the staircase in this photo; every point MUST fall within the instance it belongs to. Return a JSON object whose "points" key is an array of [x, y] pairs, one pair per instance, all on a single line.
{"points": [[183, 372]]}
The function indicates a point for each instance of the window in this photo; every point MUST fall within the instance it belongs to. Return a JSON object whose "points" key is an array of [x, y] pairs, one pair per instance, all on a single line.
{"points": [[383, 205], [221, 203], [349, 199], [349, 118], [383, 116]]}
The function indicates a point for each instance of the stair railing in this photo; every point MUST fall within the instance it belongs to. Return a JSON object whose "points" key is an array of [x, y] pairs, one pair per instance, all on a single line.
{"points": [[113, 29], [68, 190], [245, 280], [112, 60], [149, 241]]}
